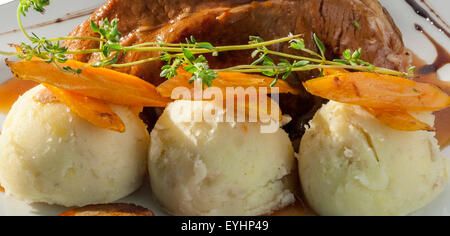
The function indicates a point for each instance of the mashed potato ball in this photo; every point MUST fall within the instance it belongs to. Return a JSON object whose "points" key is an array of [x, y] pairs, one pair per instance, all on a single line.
{"points": [[352, 164], [48, 154], [218, 168]]}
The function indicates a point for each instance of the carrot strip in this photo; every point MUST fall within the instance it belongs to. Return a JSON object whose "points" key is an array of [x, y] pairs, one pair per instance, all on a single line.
{"points": [[399, 120], [2, 189], [233, 80], [90, 109], [271, 111], [327, 72], [379, 91], [225, 80], [100, 83], [252, 110]]}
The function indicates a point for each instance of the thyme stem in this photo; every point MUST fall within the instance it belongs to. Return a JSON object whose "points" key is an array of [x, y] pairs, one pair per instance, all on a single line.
{"points": [[19, 22], [8, 53], [136, 62], [259, 69], [77, 38]]}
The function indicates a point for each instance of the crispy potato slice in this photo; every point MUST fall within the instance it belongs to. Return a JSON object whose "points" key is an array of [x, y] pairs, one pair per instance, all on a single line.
{"points": [[399, 120], [100, 83], [95, 111], [117, 209], [225, 80], [379, 91]]}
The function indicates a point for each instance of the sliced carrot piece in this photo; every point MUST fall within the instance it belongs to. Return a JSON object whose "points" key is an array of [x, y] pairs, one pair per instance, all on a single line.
{"points": [[399, 120], [90, 109], [332, 71], [100, 83], [254, 110], [2, 189], [396, 119], [379, 91], [232, 79], [225, 80]]}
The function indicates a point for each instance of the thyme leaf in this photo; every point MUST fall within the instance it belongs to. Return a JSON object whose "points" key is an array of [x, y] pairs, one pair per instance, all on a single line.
{"points": [[320, 46]]}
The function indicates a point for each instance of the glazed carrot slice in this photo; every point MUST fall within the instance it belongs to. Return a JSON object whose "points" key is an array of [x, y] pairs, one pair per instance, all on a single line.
{"points": [[226, 80], [252, 110], [399, 120], [232, 79], [379, 91], [396, 119], [265, 111], [100, 83], [90, 109], [331, 71]]}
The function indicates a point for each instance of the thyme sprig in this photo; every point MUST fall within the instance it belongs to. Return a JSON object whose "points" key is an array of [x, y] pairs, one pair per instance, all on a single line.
{"points": [[190, 55], [48, 51], [23, 8]]}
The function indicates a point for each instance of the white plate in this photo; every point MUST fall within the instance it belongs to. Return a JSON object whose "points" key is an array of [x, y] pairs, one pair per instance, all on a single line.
{"points": [[403, 16]]}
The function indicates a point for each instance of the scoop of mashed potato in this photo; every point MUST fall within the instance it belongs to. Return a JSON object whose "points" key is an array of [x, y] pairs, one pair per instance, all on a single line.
{"points": [[352, 164], [50, 155], [218, 168]]}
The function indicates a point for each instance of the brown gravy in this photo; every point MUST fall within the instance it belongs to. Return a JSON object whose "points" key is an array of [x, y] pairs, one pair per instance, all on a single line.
{"points": [[11, 90], [442, 59], [442, 117], [428, 74]]}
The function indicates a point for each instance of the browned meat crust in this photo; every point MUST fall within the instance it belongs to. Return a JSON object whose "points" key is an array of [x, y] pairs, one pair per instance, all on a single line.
{"points": [[378, 36]]}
